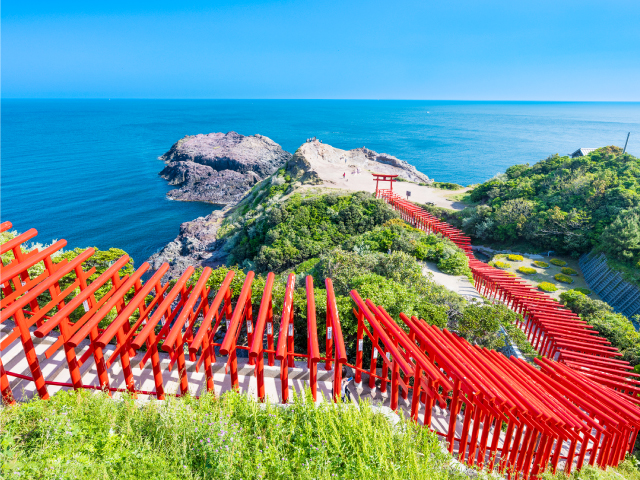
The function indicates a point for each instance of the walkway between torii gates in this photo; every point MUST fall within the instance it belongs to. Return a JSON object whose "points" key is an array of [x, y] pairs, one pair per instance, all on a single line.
{"points": [[551, 416]]}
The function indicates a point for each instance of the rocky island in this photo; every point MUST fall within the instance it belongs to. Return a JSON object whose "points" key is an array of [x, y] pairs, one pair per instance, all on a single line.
{"points": [[219, 168]]}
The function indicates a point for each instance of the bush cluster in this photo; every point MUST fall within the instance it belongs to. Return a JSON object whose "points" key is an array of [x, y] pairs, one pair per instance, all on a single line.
{"points": [[446, 185], [584, 291], [500, 264], [568, 271], [558, 262], [541, 264], [547, 287], [527, 270], [563, 278], [569, 205], [515, 258], [615, 327]]}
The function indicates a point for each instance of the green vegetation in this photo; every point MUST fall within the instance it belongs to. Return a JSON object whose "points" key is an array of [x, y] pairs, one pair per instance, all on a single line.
{"points": [[547, 287], [629, 469], [615, 327], [515, 258], [557, 262], [569, 205], [285, 234], [541, 264], [446, 186], [584, 291], [568, 271], [563, 278], [89, 435], [527, 270], [500, 264]]}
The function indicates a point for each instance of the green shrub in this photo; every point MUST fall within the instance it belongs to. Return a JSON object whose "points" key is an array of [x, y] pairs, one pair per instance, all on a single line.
{"points": [[89, 435], [615, 327], [563, 278], [568, 271], [446, 185], [527, 270], [541, 264], [515, 258], [547, 287], [559, 263], [584, 291], [500, 264]]}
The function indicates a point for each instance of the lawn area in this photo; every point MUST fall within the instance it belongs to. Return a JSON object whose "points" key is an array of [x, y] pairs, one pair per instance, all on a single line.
{"points": [[546, 274], [86, 435]]}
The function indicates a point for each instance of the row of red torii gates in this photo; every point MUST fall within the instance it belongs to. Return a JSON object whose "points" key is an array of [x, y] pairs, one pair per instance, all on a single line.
{"points": [[581, 409]]}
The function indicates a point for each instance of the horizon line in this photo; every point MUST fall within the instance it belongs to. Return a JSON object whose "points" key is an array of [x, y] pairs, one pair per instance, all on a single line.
{"points": [[321, 99]]}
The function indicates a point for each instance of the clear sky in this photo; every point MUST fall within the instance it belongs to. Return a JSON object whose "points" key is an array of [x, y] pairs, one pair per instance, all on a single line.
{"points": [[445, 49]]}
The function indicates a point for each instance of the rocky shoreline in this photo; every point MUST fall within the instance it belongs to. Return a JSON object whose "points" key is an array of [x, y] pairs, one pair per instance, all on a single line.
{"points": [[222, 168]]}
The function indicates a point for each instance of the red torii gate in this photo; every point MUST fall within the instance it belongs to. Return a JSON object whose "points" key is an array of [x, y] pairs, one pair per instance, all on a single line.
{"points": [[385, 178]]}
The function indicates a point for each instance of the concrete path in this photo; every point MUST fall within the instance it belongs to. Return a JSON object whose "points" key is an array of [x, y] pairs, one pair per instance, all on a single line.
{"points": [[456, 283]]}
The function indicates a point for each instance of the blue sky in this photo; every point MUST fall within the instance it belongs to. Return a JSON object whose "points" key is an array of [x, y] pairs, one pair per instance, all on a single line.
{"points": [[467, 50]]}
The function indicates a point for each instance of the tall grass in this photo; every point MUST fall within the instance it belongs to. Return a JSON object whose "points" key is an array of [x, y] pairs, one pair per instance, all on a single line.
{"points": [[88, 435]]}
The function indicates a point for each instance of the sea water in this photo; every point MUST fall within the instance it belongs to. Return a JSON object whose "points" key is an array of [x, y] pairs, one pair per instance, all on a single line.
{"points": [[87, 170]]}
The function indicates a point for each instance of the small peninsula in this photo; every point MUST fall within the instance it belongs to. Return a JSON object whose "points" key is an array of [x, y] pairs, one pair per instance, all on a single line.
{"points": [[224, 169]]}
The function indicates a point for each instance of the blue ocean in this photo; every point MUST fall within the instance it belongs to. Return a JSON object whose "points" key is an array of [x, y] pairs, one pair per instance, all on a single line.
{"points": [[87, 170]]}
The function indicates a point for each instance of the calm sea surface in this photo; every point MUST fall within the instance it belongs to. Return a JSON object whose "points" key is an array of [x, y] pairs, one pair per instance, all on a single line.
{"points": [[87, 170]]}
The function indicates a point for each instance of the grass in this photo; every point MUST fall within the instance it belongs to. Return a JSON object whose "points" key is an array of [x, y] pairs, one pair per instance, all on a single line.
{"points": [[629, 470], [87, 435]]}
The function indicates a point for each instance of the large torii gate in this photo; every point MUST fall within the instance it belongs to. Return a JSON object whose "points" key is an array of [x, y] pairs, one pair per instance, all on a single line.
{"points": [[385, 178]]}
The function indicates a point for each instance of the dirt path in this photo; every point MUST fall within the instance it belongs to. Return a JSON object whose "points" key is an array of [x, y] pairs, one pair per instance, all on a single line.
{"points": [[334, 178]]}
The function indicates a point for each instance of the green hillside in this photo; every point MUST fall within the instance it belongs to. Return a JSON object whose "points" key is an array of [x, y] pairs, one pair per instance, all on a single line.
{"points": [[570, 205]]}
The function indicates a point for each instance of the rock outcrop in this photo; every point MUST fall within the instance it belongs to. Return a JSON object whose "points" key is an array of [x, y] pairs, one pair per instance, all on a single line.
{"points": [[220, 168], [195, 245], [315, 162]]}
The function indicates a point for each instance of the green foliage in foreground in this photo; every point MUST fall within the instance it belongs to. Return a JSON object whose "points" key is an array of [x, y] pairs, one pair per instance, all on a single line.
{"points": [[85, 435], [629, 469], [615, 327]]}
